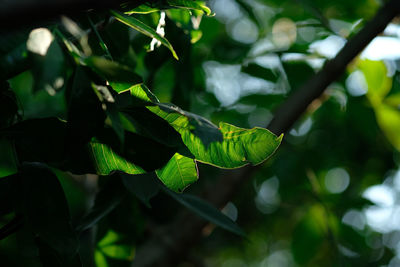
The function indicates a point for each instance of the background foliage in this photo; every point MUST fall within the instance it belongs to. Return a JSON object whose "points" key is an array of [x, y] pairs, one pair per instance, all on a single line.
{"points": [[87, 94]]}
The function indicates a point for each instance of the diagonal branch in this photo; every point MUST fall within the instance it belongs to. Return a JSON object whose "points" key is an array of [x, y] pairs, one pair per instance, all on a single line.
{"points": [[176, 240]]}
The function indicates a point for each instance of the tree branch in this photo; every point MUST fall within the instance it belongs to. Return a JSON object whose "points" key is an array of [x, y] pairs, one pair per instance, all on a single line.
{"points": [[176, 240]]}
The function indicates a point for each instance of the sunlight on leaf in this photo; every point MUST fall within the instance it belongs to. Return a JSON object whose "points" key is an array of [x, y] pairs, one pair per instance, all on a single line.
{"points": [[179, 173], [143, 28]]}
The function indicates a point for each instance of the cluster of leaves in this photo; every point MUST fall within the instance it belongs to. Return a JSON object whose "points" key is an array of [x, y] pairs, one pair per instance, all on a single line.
{"points": [[112, 125]]}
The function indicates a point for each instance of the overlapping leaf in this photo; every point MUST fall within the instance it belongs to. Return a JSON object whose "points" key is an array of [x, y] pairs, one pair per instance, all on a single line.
{"points": [[145, 29], [179, 173], [226, 146]]}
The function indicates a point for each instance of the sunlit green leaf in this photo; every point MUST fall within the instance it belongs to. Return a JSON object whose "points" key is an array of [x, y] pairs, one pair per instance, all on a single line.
{"points": [[179, 173], [206, 211], [143, 28], [226, 146], [142, 9], [106, 160]]}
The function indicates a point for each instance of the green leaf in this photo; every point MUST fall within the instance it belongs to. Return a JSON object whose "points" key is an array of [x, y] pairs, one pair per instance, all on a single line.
{"points": [[110, 246], [308, 235], [258, 71], [49, 69], [142, 9], [226, 146], [389, 121], [179, 173], [143, 186], [109, 197], [143, 28], [113, 71], [45, 208], [107, 161], [376, 76], [206, 211], [191, 4]]}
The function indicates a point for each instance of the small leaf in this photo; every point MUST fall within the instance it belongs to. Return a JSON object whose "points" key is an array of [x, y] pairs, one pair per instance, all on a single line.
{"points": [[143, 28], [206, 211], [179, 173]]}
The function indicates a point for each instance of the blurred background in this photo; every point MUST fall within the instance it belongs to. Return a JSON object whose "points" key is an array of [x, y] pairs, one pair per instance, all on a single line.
{"points": [[330, 196]]}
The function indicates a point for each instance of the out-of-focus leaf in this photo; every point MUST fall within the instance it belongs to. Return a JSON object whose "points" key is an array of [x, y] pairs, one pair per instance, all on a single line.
{"points": [[389, 120], [145, 29], [110, 247], [308, 235], [49, 69], [379, 84], [45, 209], [258, 71], [297, 73], [110, 195], [393, 100], [179, 173], [143, 186], [206, 211], [8, 163]]}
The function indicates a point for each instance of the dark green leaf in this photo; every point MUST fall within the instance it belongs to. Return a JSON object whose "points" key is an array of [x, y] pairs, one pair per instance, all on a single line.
{"points": [[143, 186], [109, 197], [206, 211], [145, 29], [258, 71], [113, 71], [45, 209]]}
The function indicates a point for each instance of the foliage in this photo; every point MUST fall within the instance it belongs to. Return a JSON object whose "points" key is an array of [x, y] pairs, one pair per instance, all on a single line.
{"points": [[94, 158]]}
